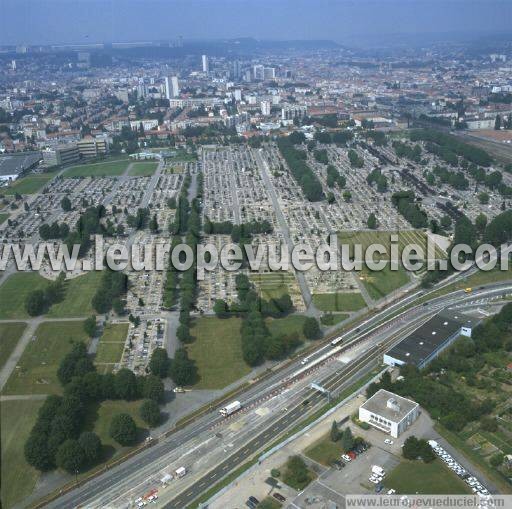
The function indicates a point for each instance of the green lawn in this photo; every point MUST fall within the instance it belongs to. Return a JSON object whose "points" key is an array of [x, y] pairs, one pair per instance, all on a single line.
{"points": [[367, 238], [111, 345], [99, 420], [30, 184], [330, 319], [275, 284], [286, 325], [14, 291], [18, 478], [3, 218], [36, 372], [143, 169], [324, 451], [217, 351], [78, 295], [411, 477], [103, 169], [10, 333], [381, 283], [338, 301], [269, 503], [77, 299]]}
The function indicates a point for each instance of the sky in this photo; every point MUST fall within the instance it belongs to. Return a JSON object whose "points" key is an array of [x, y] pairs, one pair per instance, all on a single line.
{"points": [[82, 21]]}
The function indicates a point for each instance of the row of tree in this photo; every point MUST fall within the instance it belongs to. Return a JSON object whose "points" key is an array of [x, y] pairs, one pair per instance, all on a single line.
{"points": [[300, 170], [404, 201], [109, 294], [450, 143]]}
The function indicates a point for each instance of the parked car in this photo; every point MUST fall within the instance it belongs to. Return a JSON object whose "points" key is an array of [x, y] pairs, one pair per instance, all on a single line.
{"points": [[279, 497]]}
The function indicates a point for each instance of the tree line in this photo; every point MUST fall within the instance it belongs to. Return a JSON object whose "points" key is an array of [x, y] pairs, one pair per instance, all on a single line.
{"points": [[300, 170]]}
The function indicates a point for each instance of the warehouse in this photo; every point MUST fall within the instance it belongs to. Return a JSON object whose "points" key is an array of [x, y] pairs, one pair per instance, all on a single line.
{"points": [[13, 165], [430, 339], [389, 412]]}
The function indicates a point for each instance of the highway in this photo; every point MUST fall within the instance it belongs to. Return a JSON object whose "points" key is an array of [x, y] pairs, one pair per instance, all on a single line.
{"points": [[208, 458]]}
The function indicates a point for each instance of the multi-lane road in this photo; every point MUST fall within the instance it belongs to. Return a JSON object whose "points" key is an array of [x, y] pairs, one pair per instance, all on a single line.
{"points": [[212, 460]]}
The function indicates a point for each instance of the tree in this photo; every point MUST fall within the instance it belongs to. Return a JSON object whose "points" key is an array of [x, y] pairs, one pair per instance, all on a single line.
{"points": [[150, 413], [311, 329], [153, 224], [125, 384], [483, 198], [496, 459], [91, 446], [335, 432], [489, 424], [183, 370], [481, 222], [123, 429], [65, 204], [70, 456], [347, 196], [90, 326], [330, 198], [159, 363], [497, 123], [153, 388], [37, 452], [35, 303], [118, 305], [372, 221], [183, 333], [347, 440], [221, 309], [296, 473]]}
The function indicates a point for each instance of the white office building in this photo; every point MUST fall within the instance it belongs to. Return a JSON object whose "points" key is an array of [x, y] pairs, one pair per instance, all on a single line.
{"points": [[205, 63], [265, 108], [389, 412], [172, 88]]}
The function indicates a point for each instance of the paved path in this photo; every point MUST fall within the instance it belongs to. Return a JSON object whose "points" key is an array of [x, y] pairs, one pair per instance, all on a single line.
{"points": [[24, 397], [15, 356], [311, 310]]}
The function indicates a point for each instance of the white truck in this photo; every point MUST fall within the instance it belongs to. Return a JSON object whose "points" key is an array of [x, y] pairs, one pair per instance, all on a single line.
{"points": [[181, 472], [231, 408]]}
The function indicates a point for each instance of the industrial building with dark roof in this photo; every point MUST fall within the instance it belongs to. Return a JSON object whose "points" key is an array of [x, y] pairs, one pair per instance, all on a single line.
{"points": [[12, 165], [430, 339]]}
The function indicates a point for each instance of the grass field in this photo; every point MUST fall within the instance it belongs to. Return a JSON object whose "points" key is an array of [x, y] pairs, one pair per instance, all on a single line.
{"points": [[103, 169], [275, 284], [330, 319], [14, 291], [99, 420], [77, 299], [367, 238], [269, 503], [18, 478], [383, 282], [324, 451], [30, 184], [3, 218], [111, 345], [78, 295], [36, 372], [338, 301], [10, 333], [217, 351], [143, 169], [286, 325], [434, 478]]}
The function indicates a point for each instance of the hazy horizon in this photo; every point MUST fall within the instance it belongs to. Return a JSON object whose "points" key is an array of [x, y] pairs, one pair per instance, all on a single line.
{"points": [[87, 21]]}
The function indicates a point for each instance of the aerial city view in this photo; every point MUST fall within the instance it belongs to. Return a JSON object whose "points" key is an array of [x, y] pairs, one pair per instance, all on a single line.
{"points": [[255, 254]]}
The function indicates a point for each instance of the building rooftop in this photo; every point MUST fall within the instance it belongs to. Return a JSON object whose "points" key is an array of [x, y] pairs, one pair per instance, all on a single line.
{"points": [[426, 339], [14, 164], [389, 405]]}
